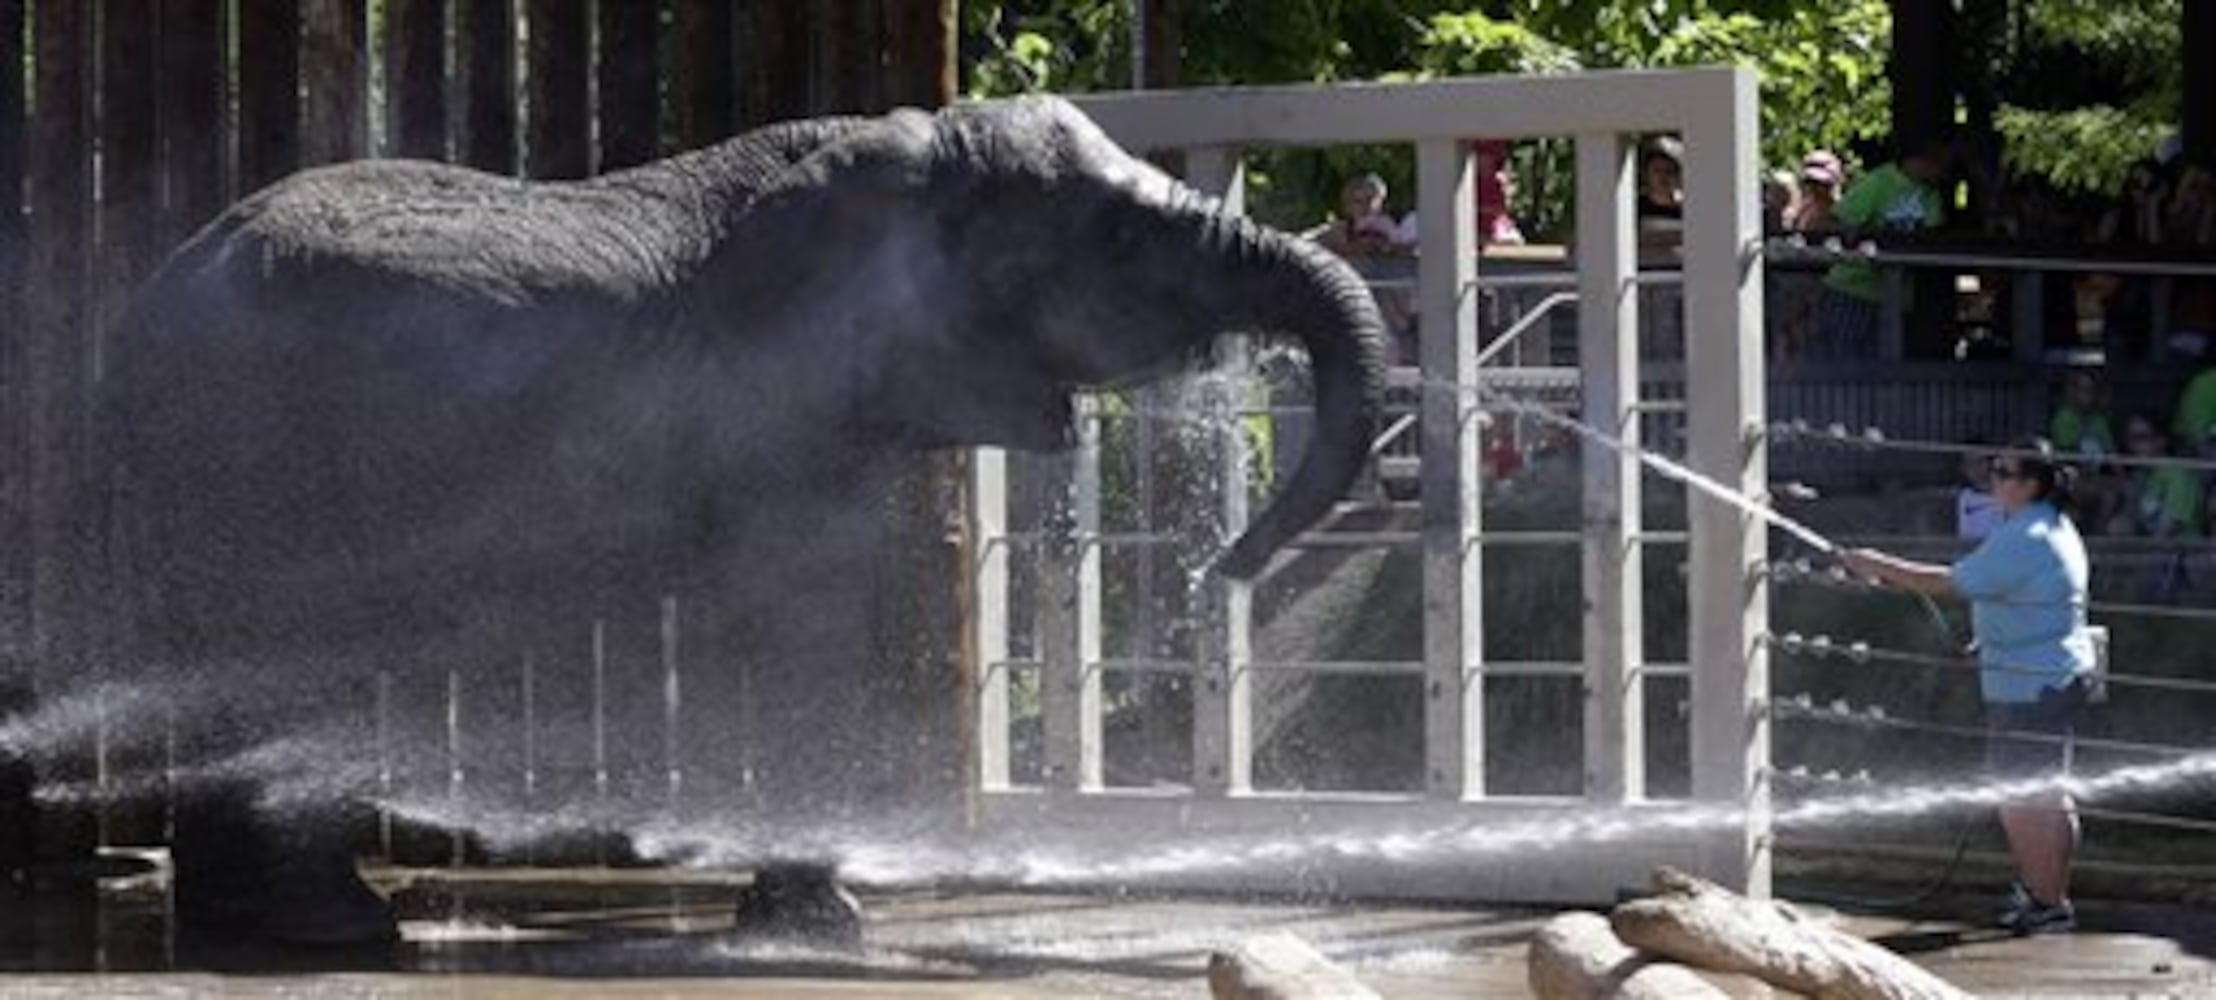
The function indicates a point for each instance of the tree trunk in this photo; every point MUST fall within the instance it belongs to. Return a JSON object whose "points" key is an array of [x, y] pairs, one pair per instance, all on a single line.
{"points": [[1280, 966], [1703, 924], [1576, 956]]}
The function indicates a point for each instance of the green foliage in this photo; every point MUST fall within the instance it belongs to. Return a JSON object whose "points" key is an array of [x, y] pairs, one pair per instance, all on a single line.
{"points": [[1473, 44], [1058, 46], [2099, 83], [1821, 66], [2086, 150]]}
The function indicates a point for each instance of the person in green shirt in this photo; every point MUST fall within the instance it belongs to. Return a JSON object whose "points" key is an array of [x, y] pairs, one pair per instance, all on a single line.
{"points": [[1899, 197], [2080, 425], [2195, 425]]}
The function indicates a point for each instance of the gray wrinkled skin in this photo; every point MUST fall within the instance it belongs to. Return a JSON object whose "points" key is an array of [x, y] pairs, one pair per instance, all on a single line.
{"points": [[382, 407]]}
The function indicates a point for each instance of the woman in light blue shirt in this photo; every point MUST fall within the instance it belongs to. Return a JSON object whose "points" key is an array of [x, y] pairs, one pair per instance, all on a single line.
{"points": [[2026, 584]]}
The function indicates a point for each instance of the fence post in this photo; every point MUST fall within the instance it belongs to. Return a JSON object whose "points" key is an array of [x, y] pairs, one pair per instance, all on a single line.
{"points": [[15, 344], [776, 83], [1608, 365], [17, 816], [488, 28], [987, 638], [416, 78], [58, 369], [1223, 689], [334, 49], [1728, 593], [269, 91], [193, 132], [630, 103], [1453, 578], [705, 84], [558, 58], [1069, 612]]}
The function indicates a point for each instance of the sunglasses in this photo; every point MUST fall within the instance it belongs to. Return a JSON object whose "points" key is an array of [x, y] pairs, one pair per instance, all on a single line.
{"points": [[2000, 471]]}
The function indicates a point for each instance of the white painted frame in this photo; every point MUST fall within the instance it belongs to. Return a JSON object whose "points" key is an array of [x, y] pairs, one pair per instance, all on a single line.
{"points": [[1714, 110]]}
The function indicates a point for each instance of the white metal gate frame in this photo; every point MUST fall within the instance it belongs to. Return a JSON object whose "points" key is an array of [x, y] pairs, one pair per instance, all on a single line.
{"points": [[1714, 111]]}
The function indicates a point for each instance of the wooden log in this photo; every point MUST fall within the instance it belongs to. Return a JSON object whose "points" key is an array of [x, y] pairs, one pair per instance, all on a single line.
{"points": [[630, 102], [415, 78], [1279, 966], [1705, 925], [706, 84], [192, 105], [269, 91], [334, 47], [1576, 956], [489, 123], [557, 128]]}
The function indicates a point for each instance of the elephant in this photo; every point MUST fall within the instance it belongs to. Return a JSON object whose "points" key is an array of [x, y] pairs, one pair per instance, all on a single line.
{"points": [[365, 397]]}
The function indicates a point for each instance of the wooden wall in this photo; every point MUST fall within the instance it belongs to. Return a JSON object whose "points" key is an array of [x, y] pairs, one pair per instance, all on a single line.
{"points": [[190, 104]]}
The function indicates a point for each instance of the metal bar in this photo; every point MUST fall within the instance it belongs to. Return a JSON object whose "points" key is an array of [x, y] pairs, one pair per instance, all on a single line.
{"points": [[1873, 439], [2149, 819], [1526, 322], [1856, 652], [1788, 708]]}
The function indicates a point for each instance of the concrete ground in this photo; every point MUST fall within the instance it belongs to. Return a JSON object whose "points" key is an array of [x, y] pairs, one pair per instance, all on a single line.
{"points": [[518, 933]]}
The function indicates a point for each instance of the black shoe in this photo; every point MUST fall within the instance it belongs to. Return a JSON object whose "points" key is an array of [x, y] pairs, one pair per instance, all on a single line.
{"points": [[2039, 918]]}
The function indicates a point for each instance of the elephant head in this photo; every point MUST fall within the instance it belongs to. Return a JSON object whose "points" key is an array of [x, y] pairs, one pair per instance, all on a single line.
{"points": [[1009, 254]]}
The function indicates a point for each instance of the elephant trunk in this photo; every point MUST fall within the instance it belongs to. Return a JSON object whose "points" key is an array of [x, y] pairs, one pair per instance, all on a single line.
{"points": [[1304, 292]]}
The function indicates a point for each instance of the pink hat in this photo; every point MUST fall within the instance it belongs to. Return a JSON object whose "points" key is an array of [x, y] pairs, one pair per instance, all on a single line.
{"points": [[1821, 166]]}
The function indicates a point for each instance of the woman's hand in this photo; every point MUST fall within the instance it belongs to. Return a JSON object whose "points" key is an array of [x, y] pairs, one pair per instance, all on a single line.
{"points": [[1868, 564]]}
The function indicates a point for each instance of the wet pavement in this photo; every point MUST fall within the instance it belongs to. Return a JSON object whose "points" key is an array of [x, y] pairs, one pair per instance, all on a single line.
{"points": [[658, 933]]}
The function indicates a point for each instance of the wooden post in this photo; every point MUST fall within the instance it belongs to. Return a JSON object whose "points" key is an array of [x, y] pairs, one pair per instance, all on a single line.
{"points": [[919, 53], [334, 48], [776, 56], [1728, 591], [2197, 107], [847, 42], [15, 338], [630, 102], [269, 91], [416, 78], [192, 109], [489, 122], [558, 61], [59, 363], [1453, 580], [705, 78], [1608, 362], [130, 186], [1162, 40]]}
